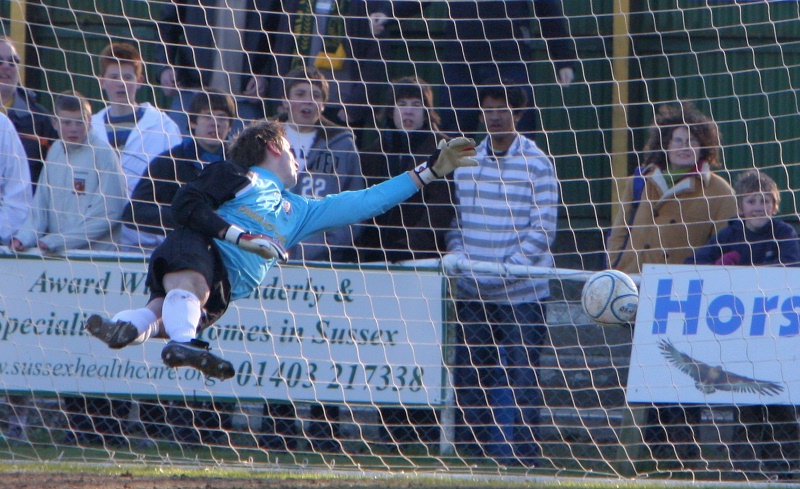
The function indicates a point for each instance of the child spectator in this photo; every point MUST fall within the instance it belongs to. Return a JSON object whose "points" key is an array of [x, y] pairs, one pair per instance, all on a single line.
{"points": [[414, 229], [80, 199], [409, 133], [139, 132], [329, 163], [766, 439], [83, 190], [211, 116], [755, 237]]}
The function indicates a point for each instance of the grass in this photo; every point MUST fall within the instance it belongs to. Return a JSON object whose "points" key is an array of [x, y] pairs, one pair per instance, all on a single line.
{"points": [[579, 466]]}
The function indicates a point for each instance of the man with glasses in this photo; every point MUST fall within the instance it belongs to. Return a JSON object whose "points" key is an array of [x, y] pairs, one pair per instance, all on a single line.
{"points": [[30, 119]]}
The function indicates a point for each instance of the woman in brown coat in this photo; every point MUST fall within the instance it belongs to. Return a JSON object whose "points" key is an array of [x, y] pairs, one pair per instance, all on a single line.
{"points": [[674, 203]]}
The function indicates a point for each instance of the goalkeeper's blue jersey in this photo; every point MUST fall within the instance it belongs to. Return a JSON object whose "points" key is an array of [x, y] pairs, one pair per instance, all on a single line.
{"points": [[266, 207]]}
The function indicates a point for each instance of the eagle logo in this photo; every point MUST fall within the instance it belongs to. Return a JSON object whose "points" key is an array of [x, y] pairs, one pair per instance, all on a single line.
{"points": [[709, 379]]}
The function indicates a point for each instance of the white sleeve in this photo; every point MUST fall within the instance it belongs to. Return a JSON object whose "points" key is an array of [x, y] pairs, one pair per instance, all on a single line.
{"points": [[15, 182]]}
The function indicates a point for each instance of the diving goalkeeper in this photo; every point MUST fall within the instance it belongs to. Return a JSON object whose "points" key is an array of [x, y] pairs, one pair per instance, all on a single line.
{"points": [[235, 221]]}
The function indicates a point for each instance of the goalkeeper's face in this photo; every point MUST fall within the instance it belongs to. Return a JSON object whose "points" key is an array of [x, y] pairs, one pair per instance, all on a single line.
{"points": [[280, 161]]}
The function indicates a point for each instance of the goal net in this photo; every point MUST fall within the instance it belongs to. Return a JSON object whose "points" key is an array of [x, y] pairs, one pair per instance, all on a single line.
{"points": [[360, 363]]}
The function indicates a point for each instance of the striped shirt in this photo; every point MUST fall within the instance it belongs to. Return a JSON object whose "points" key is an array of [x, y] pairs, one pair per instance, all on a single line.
{"points": [[507, 213]]}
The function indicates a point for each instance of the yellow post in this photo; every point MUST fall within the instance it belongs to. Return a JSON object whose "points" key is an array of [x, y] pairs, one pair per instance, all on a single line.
{"points": [[17, 32], [629, 451], [619, 121]]}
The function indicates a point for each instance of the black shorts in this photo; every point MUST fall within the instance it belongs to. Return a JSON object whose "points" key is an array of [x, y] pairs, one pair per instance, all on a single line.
{"points": [[185, 249]]}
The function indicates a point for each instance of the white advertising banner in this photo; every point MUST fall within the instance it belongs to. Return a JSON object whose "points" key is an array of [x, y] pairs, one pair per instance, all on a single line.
{"points": [[716, 335], [308, 334]]}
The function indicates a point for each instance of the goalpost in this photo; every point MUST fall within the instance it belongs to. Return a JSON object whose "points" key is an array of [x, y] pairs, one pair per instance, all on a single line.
{"points": [[364, 352]]}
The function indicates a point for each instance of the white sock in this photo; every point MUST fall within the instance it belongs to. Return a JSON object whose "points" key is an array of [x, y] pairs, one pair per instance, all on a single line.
{"points": [[141, 318], [146, 335], [181, 313]]}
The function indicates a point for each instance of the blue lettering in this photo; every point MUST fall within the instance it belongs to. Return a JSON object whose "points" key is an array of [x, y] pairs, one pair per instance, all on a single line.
{"points": [[727, 302], [789, 310], [761, 306], [690, 307]]}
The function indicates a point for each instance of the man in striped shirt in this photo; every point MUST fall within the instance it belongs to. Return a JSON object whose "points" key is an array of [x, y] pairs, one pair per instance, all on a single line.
{"points": [[507, 214]]}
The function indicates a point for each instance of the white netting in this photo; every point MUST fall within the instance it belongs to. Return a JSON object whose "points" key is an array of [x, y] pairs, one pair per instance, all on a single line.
{"points": [[349, 365]]}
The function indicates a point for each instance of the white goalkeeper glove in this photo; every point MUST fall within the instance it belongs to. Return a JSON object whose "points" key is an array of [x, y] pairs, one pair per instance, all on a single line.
{"points": [[259, 244], [448, 156]]}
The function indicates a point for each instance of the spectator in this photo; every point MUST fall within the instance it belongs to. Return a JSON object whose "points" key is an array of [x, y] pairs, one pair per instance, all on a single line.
{"points": [[15, 203], [490, 39], [507, 213], [211, 116], [78, 205], [328, 160], [194, 55], [30, 119], [83, 188], [414, 229], [674, 203], [15, 182], [767, 433], [338, 38], [409, 133], [139, 132], [755, 237], [671, 206], [328, 164]]}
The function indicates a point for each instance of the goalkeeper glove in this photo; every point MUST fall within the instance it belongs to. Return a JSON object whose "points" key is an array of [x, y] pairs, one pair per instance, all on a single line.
{"points": [[259, 244], [448, 156]]}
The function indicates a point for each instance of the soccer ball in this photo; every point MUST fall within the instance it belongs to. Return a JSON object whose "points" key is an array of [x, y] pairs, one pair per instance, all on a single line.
{"points": [[610, 297]]}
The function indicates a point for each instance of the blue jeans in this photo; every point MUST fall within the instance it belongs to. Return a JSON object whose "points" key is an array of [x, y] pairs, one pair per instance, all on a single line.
{"points": [[458, 96], [496, 385]]}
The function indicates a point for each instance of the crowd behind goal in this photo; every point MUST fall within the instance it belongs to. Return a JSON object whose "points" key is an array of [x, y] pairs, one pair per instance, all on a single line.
{"points": [[104, 180]]}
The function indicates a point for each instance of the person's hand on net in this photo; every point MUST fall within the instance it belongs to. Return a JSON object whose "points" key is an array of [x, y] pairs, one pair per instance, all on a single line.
{"points": [[450, 262]]}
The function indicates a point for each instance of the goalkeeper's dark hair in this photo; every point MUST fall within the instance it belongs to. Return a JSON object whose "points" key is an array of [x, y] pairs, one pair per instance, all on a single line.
{"points": [[701, 127], [247, 148], [753, 181], [507, 90]]}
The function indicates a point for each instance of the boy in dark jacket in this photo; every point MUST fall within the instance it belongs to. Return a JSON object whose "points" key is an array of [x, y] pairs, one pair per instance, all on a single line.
{"points": [[409, 132], [755, 237], [211, 117], [767, 435]]}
